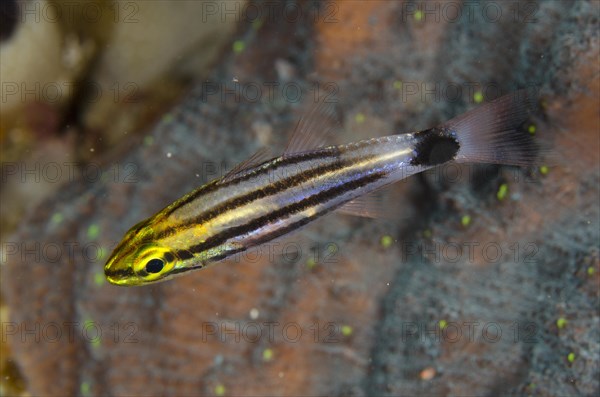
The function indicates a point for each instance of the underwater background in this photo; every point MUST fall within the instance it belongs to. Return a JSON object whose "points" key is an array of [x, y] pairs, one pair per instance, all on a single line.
{"points": [[483, 280]]}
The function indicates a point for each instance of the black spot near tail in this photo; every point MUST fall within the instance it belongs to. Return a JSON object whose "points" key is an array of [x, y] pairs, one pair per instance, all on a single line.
{"points": [[435, 146]]}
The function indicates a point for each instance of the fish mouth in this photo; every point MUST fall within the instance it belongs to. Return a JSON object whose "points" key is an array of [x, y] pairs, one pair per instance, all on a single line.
{"points": [[117, 281], [120, 277], [116, 276]]}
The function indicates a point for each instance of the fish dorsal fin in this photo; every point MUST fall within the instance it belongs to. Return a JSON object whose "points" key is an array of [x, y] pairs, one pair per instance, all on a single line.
{"points": [[368, 206], [314, 128], [260, 156]]}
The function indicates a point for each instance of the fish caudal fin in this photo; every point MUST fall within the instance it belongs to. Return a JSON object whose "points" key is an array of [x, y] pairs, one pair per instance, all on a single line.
{"points": [[497, 132]]}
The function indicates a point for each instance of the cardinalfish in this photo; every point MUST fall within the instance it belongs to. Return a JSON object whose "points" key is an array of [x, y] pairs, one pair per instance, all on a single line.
{"points": [[261, 200]]}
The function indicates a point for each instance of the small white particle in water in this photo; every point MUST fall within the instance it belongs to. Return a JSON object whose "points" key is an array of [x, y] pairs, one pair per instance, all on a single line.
{"points": [[263, 131], [197, 175], [169, 155], [92, 149], [388, 284], [280, 374], [218, 359], [235, 80], [254, 313]]}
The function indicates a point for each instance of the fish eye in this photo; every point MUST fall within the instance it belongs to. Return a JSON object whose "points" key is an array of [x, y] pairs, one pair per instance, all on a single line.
{"points": [[154, 265], [153, 262]]}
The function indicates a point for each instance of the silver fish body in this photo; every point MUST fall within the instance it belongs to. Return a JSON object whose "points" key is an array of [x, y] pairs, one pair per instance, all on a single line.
{"points": [[259, 203]]}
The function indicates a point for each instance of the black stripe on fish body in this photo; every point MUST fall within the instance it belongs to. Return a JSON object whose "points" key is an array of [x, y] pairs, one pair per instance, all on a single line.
{"points": [[285, 212], [435, 146], [184, 255], [293, 226], [236, 202], [261, 169], [203, 263], [271, 189]]}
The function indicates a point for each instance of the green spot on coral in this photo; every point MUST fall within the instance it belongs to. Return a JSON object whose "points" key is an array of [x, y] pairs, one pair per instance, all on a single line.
{"points": [[427, 233], [478, 97], [102, 252], [571, 357], [220, 390], [359, 118], [148, 140], [57, 218], [267, 355], [85, 388], [442, 324], [502, 191], [238, 46], [397, 84], [311, 263], [561, 323], [93, 231], [257, 23], [386, 241], [418, 15], [91, 331], [465, 220], [99, 279], [347, 330], [531, 129], [544, 170], [96, 342], [591, 271]]}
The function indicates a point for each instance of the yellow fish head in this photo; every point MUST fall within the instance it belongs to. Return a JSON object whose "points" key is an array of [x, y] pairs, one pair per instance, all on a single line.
{"points": [[139, 260]]}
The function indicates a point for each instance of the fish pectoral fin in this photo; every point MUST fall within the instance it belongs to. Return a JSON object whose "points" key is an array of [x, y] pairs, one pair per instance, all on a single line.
{"points": [[367, 206], [313, 129], [258, 157]]}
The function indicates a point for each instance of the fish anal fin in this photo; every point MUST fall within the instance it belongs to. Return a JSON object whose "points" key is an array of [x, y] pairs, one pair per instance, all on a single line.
{"points": [[314, 128], [368, 206], [260, 156]]}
